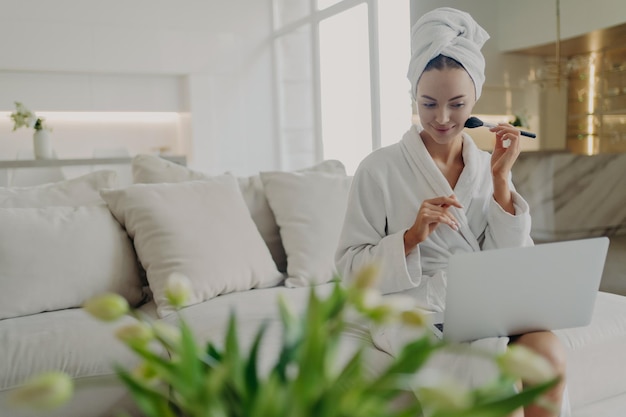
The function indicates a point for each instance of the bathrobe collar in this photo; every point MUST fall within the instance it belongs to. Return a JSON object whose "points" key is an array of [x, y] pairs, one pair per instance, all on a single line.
{"points": [[427, 170]]}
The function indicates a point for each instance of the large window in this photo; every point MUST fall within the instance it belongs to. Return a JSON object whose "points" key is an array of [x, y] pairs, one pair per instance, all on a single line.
{"points": [[340, 78]]}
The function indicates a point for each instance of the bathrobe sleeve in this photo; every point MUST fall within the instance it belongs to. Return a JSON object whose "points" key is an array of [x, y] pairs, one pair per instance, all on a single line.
{"points": [[365, 240], [505, 230]]}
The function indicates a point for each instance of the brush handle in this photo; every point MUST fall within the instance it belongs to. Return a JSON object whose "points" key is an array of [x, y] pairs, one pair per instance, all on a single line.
{"points": [[522, 132], [528, 134]]}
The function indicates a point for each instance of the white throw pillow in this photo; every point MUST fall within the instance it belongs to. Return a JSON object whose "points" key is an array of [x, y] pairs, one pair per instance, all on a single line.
{"points": [[201, 229], [309, 208], [79, 191], [57, 257], [151, 169]]}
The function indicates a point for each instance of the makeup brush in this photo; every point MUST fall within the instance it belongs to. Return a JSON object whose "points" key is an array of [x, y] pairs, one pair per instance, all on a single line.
{"points": [[473, 122]]}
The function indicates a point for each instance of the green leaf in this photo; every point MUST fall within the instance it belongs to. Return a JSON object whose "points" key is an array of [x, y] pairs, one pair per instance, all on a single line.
{"points": [[335, 304], [504, 406], [292, 338], [152, 402], [412, 356], [232, 357], [213, 352], [161, 364], [272, 399], [252, 378], [187, 378]]}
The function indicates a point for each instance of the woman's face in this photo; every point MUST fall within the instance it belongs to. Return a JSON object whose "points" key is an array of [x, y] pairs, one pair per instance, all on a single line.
{"points": [[445, 99]]}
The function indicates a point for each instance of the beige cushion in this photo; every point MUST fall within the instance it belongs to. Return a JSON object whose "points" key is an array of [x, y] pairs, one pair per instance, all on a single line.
{"points": [[150, 169], [79, 191], [309, 209], [57, 257], [201, 229]]}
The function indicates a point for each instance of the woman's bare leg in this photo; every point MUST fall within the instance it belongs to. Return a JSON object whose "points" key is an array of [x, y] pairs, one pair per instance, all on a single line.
{"points": [[550, 347]]}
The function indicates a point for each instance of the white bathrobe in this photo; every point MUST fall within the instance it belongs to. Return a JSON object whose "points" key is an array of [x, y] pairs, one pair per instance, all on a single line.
{"points": [[387, 191]]}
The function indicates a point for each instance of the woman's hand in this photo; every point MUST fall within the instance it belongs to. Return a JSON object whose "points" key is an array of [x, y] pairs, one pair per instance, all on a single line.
{"points": [[431, 213], [505, 153], [506, 150]]}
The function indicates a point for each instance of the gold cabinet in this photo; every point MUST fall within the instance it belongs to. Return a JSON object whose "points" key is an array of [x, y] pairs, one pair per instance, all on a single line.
{"points": [[597, 102]]}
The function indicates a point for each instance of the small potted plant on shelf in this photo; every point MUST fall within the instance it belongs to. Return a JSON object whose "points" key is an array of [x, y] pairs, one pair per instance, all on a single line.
{"points": [[23, 117], [306, 379]]}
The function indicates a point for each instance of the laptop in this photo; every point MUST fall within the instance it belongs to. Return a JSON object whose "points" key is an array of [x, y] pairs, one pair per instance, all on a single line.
{"points": [[506, 292]]}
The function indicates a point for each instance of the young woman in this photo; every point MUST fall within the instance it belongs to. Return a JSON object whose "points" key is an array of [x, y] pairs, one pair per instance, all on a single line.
{"points": [[434, 193]]}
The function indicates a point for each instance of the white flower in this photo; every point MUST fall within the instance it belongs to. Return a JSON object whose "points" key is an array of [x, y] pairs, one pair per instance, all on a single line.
{"points": [[23, 117], [107, 307], [399, 303], [437, 391], [520, 362], [178, 289], [135, 334], [366, 277], [46, 391], [167, 333]]}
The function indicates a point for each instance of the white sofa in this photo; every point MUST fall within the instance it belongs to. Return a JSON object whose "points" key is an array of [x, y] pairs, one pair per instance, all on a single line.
{"points": [[64, 244]]}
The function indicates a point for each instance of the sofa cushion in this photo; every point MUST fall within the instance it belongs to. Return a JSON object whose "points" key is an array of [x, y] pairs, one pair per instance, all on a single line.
{"points": [[152, 169], [66, 340], [79, 191], [201, 229], [57, 257], [595, 353], [309, 209], [260, 307]]}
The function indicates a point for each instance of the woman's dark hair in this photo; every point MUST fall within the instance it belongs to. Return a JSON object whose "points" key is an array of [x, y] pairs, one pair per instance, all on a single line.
{"points": [[441, 62]]}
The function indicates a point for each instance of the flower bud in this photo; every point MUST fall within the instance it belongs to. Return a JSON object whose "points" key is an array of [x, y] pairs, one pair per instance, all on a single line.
{"points": [[413, 318], [521, 362], [107, 307], [135, 334], [45, 392], [399, 303], [146, 373], [366, 277], [370, 298], [178, 290], [448, 396], [169, 334]]}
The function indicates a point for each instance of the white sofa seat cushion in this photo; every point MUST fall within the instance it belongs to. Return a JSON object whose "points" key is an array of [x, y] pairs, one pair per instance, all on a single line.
{"points": [[201, 229], [596, 354], [260, 306], [66, 340], [53, 258]]}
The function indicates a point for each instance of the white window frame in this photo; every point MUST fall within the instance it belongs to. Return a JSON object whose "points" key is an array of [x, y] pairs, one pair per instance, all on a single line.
{"points": [[313, 19]]}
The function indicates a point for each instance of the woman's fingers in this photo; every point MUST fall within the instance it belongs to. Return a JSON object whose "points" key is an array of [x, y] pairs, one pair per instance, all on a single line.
{"points": [[431, 214], [444, 202], [439, 214], [435, 210], [506, 135]]}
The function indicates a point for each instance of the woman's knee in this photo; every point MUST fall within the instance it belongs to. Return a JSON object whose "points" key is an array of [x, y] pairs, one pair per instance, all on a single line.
{"points": [[548, 345]]}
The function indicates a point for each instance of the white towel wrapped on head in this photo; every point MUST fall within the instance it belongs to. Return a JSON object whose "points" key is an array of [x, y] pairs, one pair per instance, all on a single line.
{"points": [[450, 32]]}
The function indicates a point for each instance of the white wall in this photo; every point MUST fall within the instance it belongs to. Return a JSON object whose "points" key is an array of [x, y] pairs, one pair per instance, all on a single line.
{"points": [[209, 61], [205, 59]]}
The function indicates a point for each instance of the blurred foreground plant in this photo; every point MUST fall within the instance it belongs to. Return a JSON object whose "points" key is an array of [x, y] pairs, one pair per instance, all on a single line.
{"points": [[307, 378]]}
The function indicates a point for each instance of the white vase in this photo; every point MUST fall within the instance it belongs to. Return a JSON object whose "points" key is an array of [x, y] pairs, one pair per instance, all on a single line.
{"points": [[41, 144]]}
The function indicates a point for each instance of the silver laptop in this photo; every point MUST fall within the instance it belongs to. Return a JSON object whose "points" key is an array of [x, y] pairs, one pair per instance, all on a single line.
{"points": [[505, 292]]}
